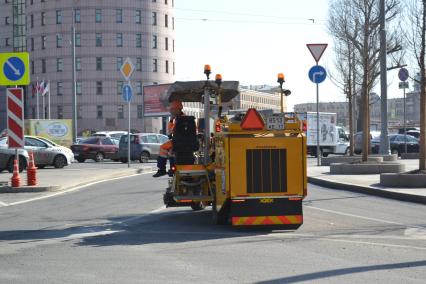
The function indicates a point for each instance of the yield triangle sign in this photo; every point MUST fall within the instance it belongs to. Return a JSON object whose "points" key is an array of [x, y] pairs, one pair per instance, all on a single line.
{"points": [[252, 120], [317, 49]]}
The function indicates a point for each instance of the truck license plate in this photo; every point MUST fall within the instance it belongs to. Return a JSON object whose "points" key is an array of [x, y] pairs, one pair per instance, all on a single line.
{"points": [[275, 122]]}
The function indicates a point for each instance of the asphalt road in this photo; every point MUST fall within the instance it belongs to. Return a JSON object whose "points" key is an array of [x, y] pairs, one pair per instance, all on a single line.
{"points": [[118, 232]]}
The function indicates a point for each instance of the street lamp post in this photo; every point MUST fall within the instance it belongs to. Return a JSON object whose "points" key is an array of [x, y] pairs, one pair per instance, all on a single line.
{"points": [[74, 90]]}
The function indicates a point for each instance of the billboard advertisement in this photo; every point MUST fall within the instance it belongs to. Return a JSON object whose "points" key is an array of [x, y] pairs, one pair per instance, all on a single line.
{"points": [[151, 100], [57, 130]]}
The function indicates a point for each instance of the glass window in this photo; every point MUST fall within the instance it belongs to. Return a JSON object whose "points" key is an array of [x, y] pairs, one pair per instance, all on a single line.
{"points": [[99, 88], [59, 65], [154, 41], [79, 111], [119, 15], [166, 20], [77, 16], [77, 39], [119, 63], [138, 64], [59, 88], [120, 87], [43, 18], [32, 44], [138, 40], [78, 63], [43, 42], [98, 39], [58, 16], [152, 139], [107, 141], [98, 63], [163, 138], [91, 140], [120, 111], [154, 18], [58, 40], [43, 66], [138, 88], [139, 111], [144, 139], [32, 20], [79, 88], [138, 17], [98, 15], [167, 66], [119, 39], [60, 111], [155, 65], [166, 43], [99, 112]]}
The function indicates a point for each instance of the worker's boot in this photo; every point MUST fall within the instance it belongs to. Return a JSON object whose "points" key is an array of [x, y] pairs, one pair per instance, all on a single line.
{"points": [[161, 164], [160, 173]]}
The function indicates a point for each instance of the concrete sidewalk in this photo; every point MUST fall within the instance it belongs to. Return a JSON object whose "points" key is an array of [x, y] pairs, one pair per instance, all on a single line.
{"points": [[50, 179], [369, 184]]}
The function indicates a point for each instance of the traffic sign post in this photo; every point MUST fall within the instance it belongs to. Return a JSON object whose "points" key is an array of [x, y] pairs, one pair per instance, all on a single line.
{"points": [[317, 75], [14, 68], [127, 70], [403, 76]]}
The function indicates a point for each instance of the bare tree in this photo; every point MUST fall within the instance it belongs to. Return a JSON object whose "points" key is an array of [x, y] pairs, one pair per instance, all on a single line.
{"points": [[416, 41], [357, 22]]}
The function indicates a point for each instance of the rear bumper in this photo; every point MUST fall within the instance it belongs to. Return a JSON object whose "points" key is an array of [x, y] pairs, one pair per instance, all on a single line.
{"points": [[266, 211]]}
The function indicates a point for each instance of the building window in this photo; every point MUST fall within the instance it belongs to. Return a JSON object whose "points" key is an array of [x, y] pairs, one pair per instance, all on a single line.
{"points": [[154, 18], [119, 40], [59, 65], [138, 40], [78, 64], [119, 63], [43, 42], [99, 112], [119, 15], [58, 17], [32, 44], [138, 64], [79, 111], [32, 20], [99, 89], [173, 45], [166, 20], [154, 41], [77, 16], [140, 111], [58, 40], [59, 89], [43, 18], [79, 88], [98, 39], [167, 66], [98, 16], [60, 111], [138, 87], [155, 65], [138, 17], [7, 21], [173, 23], [43, 66], [167, 43], [120, 85], [165, 2], [98, 63], [120, 111], [78, 39], [7, 41]]}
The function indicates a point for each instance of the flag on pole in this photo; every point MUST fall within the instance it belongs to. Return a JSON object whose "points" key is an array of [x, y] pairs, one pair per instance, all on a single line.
{"points": [[41, 88], [46, 87]]}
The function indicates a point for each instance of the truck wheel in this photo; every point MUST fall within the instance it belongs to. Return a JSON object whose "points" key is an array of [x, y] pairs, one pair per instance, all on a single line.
{"points": [[80, 160], [324, 154], [197, 206]]}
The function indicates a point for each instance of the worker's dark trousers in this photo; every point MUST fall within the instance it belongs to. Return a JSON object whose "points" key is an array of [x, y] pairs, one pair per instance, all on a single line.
{"points": [[161, 163]]}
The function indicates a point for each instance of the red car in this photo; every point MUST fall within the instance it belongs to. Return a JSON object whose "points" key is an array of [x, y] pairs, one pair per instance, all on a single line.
{"points": [[95, 148]]}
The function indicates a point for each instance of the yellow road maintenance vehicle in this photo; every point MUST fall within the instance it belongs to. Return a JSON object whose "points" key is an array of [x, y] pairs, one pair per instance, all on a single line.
{"points": [[252, 170]]}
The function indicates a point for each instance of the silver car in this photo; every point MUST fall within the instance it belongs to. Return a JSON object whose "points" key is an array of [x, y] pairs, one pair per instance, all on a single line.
{"points": [[48, 154], [8, 155]]}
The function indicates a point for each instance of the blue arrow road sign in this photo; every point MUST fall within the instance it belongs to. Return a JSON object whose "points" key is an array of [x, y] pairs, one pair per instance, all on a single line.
{"points": [[317, 74], [127, 92], [14, 69]]}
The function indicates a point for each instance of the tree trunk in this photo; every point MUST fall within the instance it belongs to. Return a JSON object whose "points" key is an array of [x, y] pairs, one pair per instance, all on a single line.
{"points": [[422, 152]]}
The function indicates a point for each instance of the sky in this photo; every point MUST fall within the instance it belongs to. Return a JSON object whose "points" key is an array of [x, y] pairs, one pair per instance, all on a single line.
{"points": [[251, 41]]}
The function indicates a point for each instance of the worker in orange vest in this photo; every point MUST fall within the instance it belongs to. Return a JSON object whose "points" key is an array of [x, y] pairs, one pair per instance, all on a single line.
{"points": [[166, 148]]}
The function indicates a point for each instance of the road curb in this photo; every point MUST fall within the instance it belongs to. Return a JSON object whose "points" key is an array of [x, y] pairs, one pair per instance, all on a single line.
{"points": [[56, 188], [368, 190]]}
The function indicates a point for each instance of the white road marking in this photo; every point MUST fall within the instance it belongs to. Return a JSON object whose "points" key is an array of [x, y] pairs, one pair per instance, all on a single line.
{"points": [[372, 244], [3, 204], [73, 189]]}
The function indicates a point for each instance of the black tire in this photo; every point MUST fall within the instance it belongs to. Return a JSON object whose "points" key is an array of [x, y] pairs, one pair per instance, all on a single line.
{"points": [[80, 160], [395, 151], [99, 157], [22, 164], [197, 206], [59, 162], [324, 154], [123, 160], [144, 158], [41, 166]]}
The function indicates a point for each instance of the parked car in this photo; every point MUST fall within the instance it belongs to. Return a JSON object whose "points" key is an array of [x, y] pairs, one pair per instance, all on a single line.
{"points": [[415, 133], [48, 153], [111, 134], [401, 130], [143, 146], [96, 148], [8, 155], [358, 138], [397, 144]]}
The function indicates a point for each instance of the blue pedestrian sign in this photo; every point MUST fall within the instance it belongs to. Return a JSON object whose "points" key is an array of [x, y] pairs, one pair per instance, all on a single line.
{"points": [[317, 74], [127, 92]]}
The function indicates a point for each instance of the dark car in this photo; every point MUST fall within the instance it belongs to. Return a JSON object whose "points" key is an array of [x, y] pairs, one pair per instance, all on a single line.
{"points": [[95, 148], [397, 144], [415, 133], [143, 146]]}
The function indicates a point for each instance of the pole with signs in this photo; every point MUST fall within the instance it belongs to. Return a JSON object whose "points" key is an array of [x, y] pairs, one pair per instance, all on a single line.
{"points": [[403, 76], [317, 74], [127, 70]]}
